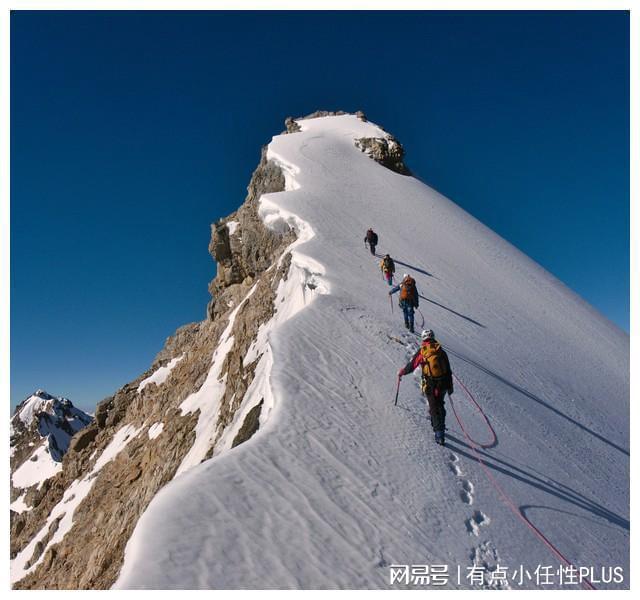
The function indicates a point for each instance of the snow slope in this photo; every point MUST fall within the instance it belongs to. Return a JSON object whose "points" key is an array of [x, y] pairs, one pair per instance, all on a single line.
{"points": [[339, 484]]}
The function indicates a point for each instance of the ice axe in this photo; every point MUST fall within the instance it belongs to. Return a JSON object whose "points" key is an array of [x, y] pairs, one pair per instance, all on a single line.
{"points": [[395, 402]]}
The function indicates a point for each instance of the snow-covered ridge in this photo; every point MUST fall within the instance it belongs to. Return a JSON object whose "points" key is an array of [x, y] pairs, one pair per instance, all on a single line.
{"points": [[340, 483], [303, 282]]}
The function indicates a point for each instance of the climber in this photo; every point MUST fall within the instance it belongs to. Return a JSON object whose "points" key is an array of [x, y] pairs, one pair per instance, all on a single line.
{"points": [[408, 299], [371, 238], [437, 379], [388, 268]]}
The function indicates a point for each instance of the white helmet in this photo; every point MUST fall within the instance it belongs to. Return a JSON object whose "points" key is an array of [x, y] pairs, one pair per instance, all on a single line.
{"points": [[427, 335]]}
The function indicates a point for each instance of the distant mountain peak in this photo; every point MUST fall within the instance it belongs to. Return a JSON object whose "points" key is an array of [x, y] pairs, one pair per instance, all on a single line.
{"points": [[41, 401], [42, 426]]}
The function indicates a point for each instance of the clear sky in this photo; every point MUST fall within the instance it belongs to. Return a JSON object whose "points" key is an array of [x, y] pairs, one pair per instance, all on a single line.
{"points": [[132, 131]]}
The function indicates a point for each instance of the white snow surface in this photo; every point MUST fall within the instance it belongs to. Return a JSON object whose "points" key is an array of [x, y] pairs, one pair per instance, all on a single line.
{"points": [[38, 467], [155, 430], [32, 406], [19, 505], [159, 376], [338, 484], [232, 226]]}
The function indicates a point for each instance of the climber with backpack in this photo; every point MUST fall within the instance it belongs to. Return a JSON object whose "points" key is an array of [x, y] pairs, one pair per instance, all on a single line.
{"points": [[371, 238], [408, 299], [388, 268], [437, 379]]}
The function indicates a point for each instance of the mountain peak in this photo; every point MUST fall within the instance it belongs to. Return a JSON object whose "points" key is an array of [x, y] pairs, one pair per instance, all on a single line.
{"points": [[41, 429], [40, 401]]}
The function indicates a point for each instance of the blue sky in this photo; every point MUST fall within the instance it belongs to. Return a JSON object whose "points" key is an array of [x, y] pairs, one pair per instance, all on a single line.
{"points": [[132, 131]]}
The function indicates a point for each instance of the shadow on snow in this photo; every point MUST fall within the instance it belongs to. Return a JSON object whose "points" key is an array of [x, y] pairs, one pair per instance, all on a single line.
{"points": [[541, 402], [547, 485], [453, 311]]}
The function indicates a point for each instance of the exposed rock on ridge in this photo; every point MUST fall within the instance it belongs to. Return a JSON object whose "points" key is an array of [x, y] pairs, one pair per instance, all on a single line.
{"points": [[251, 248], [91, 553], [386, 151]]}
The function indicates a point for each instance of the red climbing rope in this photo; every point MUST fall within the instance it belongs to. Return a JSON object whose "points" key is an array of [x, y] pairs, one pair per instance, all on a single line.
{"points": [[503, 495], [479, 408]]}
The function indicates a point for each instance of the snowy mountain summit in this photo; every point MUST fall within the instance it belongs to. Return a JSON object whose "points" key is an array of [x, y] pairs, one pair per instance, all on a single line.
{"points": [[41, 429], [264, 448]]}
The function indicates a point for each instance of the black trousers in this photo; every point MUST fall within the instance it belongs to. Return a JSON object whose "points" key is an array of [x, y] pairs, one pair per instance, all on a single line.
{"points": [[436, 394]]}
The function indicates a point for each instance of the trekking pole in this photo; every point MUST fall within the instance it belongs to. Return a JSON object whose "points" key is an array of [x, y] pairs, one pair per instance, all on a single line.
{"points": [[395, 402], [391, 302], [421, 326]]}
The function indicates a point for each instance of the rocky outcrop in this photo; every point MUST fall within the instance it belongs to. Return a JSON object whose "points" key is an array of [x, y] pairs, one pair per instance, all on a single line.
{"points": [[250, 425], [291, 126], [387, 151], [83, 438], [249, 248]]}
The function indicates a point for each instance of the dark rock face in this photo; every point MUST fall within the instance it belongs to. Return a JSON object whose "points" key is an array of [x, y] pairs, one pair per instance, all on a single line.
{"points": [[291, 126], [249, 426], [251, 248], [220, 247], [83, 438], [102, 411], [386, 151]]}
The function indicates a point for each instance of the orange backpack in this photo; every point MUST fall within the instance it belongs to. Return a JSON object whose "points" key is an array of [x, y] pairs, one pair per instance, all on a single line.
{"points": [[408, 289], [434, 364]]}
